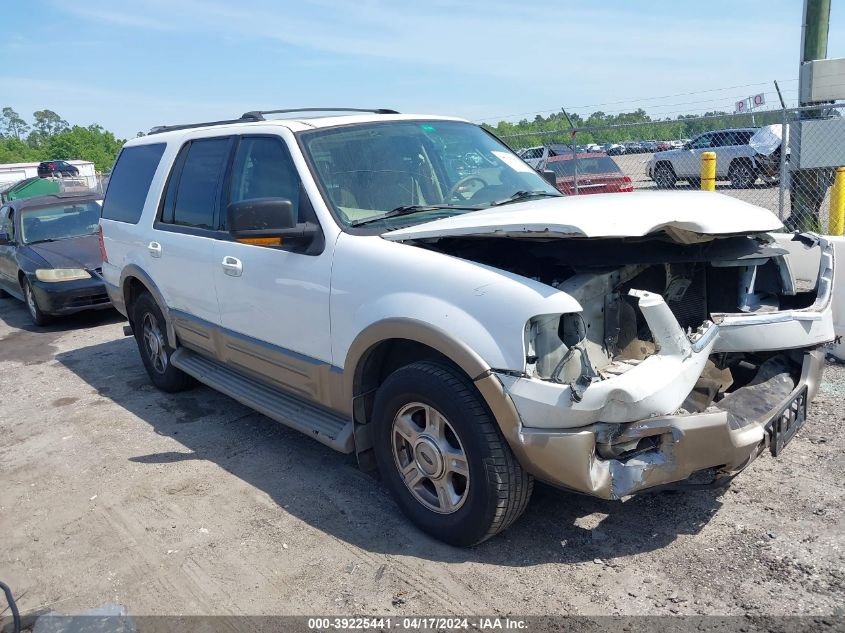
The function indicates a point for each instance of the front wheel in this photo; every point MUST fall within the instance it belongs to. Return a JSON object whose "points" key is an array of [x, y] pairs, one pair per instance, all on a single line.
{"points": [[742, 175], [443, 458], [38, 317], [149, 327]]}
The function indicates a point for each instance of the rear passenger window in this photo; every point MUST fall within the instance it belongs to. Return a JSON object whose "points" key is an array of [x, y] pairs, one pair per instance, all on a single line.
{"points": [[197, 193], [263, 168], [130, 181]]}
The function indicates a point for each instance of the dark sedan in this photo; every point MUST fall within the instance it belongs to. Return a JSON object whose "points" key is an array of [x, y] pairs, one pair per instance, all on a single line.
{"points": [[56, 169], [50, 254]]}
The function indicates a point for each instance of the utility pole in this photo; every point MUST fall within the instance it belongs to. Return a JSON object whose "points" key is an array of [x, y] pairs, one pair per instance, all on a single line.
{"points": [[809, 186]]}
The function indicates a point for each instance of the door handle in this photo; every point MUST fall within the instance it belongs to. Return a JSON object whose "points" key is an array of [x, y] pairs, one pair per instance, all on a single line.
{"points": [[154, 248], [232, 266]]}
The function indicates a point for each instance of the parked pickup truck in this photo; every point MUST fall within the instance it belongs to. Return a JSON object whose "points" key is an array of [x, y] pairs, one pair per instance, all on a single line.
{"points": [[458, 324]]}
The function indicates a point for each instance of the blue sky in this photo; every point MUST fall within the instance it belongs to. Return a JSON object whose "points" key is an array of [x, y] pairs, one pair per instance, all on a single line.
{"points": [[146, 62]]}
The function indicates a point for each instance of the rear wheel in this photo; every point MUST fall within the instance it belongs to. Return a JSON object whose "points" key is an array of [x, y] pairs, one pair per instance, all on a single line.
{"points": [[741, 175], [664, 176], [149, 327], [443, 458], [38, 317]]}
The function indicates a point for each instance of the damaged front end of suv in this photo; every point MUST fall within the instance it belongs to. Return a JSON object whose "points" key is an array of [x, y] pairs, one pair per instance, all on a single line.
{"points": [[694, 351]]}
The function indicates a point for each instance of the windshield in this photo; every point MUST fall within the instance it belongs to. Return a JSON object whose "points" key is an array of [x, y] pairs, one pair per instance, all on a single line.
{"points": [[369, 170], [59, 221], [592, 165]]}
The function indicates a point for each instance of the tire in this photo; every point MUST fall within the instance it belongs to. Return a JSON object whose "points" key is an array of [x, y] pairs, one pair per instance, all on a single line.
{"points": [[4, 294], [149, 328], [424, 410], [38, 317], [664, 176], [742, 175]]}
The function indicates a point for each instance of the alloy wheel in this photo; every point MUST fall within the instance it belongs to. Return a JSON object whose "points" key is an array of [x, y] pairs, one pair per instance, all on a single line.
{"points": [[430, 458], [154, 343]]}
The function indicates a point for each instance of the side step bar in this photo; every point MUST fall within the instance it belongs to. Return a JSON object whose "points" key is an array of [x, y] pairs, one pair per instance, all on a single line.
{"points": [[331, 429]]}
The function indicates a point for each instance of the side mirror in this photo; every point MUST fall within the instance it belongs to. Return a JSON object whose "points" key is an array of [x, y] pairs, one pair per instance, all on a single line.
{"points": [[4, 239], [267, 218], [549, 176]]}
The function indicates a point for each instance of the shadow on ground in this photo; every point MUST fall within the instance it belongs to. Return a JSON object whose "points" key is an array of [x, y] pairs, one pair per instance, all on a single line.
{"points": [[31, 344], [328, 491]]}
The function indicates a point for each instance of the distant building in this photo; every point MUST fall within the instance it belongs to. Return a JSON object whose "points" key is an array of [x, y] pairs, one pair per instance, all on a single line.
{"points": [[11, 173]]}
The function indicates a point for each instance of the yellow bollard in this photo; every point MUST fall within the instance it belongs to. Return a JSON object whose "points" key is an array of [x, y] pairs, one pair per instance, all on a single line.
{"points": [[708, 171], [836, 221]]}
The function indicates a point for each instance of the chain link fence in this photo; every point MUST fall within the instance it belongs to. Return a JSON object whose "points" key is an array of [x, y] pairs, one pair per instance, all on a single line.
{"points": [[783, 160]]}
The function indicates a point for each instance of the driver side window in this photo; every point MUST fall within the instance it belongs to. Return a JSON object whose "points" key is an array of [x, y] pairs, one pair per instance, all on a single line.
{"points": [[7, 224], [263, 168]]}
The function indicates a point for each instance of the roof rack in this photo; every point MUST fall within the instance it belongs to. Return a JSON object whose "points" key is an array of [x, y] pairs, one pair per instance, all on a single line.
{"points": [[258, 115]]}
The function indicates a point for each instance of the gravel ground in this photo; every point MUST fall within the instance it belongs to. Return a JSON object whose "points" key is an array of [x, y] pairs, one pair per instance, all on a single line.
{"points": [[113, 492]]}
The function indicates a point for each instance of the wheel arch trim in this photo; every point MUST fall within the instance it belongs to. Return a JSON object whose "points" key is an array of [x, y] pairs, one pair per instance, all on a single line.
{"points": [[132, 271]]}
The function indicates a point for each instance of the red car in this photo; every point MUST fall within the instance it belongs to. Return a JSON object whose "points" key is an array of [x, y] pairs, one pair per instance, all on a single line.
{"points": [[597, 173]]}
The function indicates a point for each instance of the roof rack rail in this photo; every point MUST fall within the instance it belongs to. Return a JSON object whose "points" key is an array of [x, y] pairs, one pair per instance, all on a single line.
{"points": [[158, 129], [258, 115]]}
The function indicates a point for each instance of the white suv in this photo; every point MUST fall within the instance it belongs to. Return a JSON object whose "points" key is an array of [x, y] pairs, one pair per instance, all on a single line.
{"points": [[742, 156], [407, 288]]}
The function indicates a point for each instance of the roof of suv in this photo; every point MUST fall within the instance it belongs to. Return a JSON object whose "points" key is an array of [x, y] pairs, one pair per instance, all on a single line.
{"points": [[297, 124]]}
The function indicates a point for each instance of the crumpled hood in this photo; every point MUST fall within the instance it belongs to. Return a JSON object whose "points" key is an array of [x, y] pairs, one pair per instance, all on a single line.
{"points": [[685, 215], [767, 139], [73, 252]]}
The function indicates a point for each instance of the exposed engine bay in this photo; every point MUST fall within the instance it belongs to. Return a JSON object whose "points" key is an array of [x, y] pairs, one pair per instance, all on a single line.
{"points": [[643, 295]]}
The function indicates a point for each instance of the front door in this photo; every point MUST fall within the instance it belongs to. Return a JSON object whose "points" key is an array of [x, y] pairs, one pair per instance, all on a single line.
{"points": [[8, 264], [274, 300]]}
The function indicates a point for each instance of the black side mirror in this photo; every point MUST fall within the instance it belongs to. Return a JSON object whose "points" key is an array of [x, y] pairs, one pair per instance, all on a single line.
{"points": [[549, 176], [267, 218]]}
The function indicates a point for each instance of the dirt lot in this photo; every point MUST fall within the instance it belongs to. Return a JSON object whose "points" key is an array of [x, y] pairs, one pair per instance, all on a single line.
{"points": [[111, 492]]}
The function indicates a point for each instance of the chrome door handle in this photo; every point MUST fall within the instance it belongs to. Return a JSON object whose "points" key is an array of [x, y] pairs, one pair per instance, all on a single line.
{"points": [[154, 248], [232, 266]]}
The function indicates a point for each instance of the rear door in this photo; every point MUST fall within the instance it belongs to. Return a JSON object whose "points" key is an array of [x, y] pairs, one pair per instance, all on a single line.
{"points": [[689, 161], [180, 253]]}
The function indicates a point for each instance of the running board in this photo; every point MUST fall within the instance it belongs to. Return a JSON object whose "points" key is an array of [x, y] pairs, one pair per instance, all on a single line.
{"points": [[331, 429]]}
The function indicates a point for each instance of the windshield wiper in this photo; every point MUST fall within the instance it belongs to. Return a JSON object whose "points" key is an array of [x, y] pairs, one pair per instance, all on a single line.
{"points": [[522, 195], [410, 210]]}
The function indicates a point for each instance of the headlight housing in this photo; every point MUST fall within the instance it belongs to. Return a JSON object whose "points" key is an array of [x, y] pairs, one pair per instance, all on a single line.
{"points": [[61, 274]]}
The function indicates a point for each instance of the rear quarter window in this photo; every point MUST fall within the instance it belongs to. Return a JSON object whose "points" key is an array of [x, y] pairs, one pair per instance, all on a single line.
{"points": [[130, 181]]}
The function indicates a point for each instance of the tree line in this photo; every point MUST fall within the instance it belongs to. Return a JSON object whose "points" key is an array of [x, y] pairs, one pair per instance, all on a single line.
{"points": [[600, 127], [50, 137]]}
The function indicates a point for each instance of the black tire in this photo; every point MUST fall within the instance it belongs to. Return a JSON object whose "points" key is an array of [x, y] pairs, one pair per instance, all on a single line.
{"points": [[742, 175], [497, 489], [31, 301], [664, 176], [4, 294], [150, 332]]}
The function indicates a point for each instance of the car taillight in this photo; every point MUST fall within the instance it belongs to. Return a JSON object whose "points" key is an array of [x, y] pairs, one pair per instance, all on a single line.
{"points": [[103, 255], [627, 184]]}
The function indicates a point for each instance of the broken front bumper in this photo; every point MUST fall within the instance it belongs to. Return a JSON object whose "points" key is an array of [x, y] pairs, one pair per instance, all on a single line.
{"points": [[679, 446]]}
